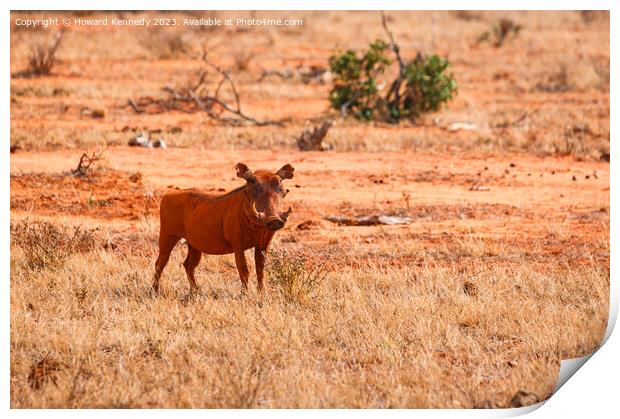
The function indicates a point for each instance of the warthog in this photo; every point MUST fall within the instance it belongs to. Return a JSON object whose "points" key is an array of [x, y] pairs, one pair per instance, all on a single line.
{"points": [[218, 224]]}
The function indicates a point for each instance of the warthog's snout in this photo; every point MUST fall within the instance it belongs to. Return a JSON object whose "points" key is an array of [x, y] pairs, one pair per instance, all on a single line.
{"points": [[274, 224]]}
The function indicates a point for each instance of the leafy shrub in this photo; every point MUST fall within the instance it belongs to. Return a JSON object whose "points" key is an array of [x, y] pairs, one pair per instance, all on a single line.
{"points": [[427, 87], [48, 246], [291, 275], [422, 85], [355, 86]]}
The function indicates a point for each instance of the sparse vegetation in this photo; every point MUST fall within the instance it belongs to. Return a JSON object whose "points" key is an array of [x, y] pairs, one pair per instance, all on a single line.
{"points": [[589, 16], [243, 58], [43, 56], [291, 274], [46, 246], [501, 31], [165, 44]]}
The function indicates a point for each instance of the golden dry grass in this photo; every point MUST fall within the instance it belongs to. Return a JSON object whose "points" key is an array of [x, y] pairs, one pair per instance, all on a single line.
{"points": [[448, 331]]}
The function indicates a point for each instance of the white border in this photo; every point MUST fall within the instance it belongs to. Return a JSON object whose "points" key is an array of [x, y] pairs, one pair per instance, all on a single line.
{"points": [[598, 382]]}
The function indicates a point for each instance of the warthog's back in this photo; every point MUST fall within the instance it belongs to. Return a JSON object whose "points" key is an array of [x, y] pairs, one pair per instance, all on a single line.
{"points": [[202, 219]]}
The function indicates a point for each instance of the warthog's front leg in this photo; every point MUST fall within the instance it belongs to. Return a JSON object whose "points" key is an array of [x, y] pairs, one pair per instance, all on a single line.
{"points": [[242, 267], [259, 260]]}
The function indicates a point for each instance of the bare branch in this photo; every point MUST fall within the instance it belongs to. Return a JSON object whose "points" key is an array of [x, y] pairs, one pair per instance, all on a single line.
{"points": [[86, 161], [134, 106], [394, 91], [191, 100]]}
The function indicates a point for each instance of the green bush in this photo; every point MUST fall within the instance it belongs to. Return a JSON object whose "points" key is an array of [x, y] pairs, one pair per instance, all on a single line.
{"points": [[355, 86], [422, 85], [428, 85]]}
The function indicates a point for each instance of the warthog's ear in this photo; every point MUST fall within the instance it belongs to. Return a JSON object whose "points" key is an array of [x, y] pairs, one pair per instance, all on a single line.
{"points": [[244, 171], [286, 172]]}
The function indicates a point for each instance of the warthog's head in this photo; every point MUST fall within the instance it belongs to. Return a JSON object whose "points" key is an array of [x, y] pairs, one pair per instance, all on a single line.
{"points": [[266, 193]]}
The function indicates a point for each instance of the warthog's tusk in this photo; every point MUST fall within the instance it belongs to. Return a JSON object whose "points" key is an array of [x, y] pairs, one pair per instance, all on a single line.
{"points": [[284, 215], [257, 214]]}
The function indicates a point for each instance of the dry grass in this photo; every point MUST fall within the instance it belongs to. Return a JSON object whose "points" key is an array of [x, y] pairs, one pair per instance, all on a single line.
{"points": [[45, 245], [438, 333], [296, 279]]}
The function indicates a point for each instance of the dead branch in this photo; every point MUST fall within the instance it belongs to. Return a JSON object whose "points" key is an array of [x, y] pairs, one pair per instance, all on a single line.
{"points": [[86, 161], [524, 116], [393, 95], [195, 99], [226, 76], [134, 106], [313, 140], [285, 75]]}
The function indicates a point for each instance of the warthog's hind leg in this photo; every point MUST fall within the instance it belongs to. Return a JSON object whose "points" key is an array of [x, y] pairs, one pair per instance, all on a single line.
{"points": [[166, 244], [191, 261]]}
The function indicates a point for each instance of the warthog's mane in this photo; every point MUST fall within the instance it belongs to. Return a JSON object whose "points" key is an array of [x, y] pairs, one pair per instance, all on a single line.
{"points": [[207, 197]]}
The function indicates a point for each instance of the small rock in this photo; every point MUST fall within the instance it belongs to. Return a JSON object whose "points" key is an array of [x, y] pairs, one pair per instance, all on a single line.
{"points": [[135, 177], [140, 140], [486, 404], [307, 225], [159, 143], [97, 113], [465, 126], [524, 398], [469, 288]]}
